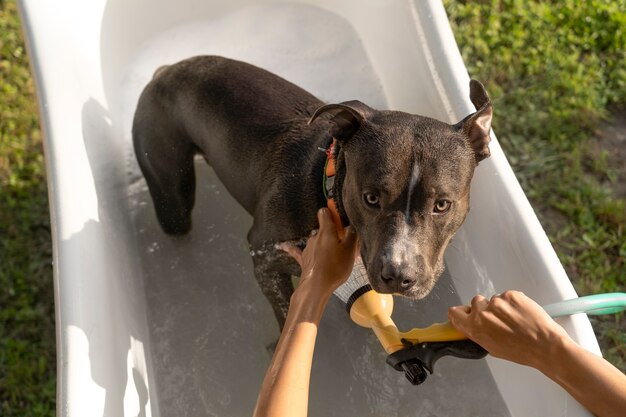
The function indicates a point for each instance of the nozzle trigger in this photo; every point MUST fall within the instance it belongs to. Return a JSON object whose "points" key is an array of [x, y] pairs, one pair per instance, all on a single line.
{"points": [[415, 360]]}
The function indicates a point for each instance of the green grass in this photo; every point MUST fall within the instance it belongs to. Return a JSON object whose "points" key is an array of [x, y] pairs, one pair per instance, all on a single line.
{"points": [[27, 348], [552, 68]]}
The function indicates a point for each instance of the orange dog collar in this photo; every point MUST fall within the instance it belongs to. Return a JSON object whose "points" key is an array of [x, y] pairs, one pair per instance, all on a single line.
{"points": [[329, 185]]}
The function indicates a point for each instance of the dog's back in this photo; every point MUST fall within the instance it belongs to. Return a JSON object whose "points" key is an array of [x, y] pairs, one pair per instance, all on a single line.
{"points": [[239, 117]]}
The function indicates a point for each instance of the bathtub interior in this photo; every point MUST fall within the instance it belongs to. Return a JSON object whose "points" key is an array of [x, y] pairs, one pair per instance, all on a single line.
{"points": [[178, 326], [210, 327]]}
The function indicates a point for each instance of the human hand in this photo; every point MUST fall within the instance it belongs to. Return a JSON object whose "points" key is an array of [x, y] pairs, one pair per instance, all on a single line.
{"points": [[510, 326], [327, 259]]}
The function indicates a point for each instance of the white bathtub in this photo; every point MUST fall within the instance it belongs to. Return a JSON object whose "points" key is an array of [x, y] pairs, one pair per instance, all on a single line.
{"points": [[153, 326]]}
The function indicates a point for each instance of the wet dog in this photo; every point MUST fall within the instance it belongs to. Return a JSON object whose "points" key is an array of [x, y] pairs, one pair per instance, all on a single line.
{"points": [[402, 180]]}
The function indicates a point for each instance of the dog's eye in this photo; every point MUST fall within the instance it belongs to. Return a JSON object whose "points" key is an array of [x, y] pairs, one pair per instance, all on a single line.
{"points": [[371, 199], [441, 206]]}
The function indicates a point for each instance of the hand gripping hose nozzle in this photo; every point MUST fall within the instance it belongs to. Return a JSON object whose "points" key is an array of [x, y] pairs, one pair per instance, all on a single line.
{"points": [[416, 351]]}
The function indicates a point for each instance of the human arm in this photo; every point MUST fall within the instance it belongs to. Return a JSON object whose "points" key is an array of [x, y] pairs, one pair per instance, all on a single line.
{"points": [[326, 262], [511, 326]]}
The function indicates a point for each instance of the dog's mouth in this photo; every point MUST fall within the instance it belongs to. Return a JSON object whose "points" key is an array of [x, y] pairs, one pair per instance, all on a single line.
{"points": [[416, 282]]}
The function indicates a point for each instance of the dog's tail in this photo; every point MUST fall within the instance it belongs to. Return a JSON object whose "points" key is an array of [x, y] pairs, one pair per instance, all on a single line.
{"points": [[159, 71]]}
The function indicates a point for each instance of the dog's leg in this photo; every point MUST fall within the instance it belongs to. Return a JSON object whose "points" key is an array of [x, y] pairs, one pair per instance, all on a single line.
{"points": [[273, 270], [167, 165]]}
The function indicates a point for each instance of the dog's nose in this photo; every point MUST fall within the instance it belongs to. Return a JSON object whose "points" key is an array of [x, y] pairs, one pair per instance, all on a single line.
{"points": [[393, 276]]}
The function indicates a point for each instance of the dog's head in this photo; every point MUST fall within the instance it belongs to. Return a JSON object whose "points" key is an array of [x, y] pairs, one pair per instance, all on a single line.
{"points": [[403, 181]]}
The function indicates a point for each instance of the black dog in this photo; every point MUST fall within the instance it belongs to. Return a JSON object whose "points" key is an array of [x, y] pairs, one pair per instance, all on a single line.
{"points": [[402, 181]]}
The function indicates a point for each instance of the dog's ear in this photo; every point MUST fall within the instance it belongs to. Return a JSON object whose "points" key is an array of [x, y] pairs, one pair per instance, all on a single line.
{"points": [[478, 125], [347, 117]]}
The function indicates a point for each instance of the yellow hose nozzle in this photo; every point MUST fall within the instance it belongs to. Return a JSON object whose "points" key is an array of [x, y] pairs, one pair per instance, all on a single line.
{"points": [[414, 352], [373, 310], [437, 332]]}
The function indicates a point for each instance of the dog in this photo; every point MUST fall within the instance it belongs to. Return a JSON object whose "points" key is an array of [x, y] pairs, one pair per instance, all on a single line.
{"points": [[402, 180]]}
